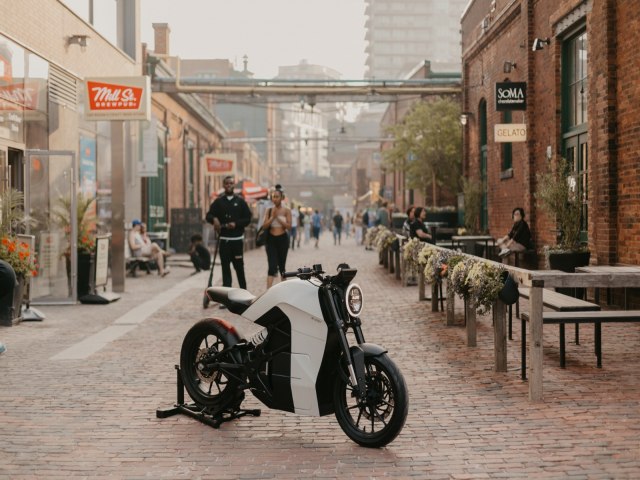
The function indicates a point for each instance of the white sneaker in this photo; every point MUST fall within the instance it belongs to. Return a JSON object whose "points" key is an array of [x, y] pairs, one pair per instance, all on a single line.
{"points": [[504, 252]]}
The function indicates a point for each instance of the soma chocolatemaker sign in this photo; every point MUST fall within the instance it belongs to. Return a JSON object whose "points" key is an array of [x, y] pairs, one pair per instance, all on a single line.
{"points": [[511, 96]]}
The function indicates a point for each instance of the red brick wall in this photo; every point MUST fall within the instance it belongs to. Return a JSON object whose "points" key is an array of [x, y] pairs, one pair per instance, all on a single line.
{"points": [[614, 123]]}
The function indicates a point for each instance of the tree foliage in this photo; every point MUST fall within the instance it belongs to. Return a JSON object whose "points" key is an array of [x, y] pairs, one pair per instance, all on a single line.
{"points": [[557, 196], [427, 146]]}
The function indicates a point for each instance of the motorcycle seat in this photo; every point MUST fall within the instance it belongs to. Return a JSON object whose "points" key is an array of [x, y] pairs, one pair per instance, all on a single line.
{"points": [[237, 300]]}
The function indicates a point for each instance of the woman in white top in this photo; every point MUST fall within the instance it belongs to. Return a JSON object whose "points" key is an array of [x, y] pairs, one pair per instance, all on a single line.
{"points": [[278, 221]]}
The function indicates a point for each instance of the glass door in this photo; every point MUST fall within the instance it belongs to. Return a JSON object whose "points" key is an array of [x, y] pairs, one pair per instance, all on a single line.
{"points": [[577, 155], [50, 200]]}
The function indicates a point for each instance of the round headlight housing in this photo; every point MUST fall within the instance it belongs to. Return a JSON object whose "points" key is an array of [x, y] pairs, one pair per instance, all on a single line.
{"points": [[353, 300]]}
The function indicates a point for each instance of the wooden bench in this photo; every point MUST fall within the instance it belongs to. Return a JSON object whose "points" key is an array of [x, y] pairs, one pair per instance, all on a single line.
{"points": [[595, 317], [559, 303]]}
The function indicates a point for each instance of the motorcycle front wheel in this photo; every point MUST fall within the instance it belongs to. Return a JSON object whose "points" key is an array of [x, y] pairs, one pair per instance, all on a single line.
{"points": [[377, 419], [209, 386]]}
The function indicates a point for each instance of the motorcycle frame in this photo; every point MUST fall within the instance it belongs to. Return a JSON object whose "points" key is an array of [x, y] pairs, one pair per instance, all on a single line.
{"points": [[331, 296]]}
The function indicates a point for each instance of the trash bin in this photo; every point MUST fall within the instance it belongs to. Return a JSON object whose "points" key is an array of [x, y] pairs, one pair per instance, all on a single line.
{"points": [[160, 235]]}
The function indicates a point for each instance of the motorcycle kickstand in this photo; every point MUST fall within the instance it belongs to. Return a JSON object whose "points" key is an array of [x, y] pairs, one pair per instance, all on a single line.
{"points": [[203, 414]]}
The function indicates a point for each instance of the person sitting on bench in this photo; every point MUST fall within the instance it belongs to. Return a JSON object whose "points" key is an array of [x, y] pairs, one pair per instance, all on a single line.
{"points": [[519, 238], [141, 248]]}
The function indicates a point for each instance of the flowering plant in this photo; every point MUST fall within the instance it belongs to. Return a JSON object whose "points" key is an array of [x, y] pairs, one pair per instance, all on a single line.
{"points": [[410, 253], [85, 240], [425, 254], [436, 268], [18, 255], [384, 239], [371, 235], [458, 278], [486, 283]]}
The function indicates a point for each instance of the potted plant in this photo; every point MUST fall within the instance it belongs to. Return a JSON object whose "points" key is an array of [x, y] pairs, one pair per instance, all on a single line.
{"points": [[85, 240], [558, 198], [18, 257]]}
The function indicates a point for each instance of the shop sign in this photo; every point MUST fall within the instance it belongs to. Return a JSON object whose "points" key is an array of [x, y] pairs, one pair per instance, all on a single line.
{"points": [[510, 132], [511, 96], [220, 163], [118, 98]]}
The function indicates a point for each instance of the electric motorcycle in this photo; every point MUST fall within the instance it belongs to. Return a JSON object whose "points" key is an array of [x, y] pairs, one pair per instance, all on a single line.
{"points": [[301, 360]]}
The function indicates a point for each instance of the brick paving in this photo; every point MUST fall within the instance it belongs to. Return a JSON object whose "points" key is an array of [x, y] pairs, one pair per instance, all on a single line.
{"points": [[94, 417]]}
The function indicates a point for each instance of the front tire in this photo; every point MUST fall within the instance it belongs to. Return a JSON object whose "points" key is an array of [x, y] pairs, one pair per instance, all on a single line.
{"points": [[209, 387], [379, 418]]}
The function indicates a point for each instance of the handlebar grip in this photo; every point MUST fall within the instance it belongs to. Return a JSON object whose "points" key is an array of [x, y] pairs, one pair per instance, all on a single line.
{"points": [[290, 274]]}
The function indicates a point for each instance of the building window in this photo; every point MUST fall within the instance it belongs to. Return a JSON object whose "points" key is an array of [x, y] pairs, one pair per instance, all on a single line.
{"points": [[575, 79], [574, 115]]}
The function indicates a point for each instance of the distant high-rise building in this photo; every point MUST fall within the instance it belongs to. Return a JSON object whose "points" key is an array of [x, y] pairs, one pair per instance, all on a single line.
{"points": [[402, 33]]}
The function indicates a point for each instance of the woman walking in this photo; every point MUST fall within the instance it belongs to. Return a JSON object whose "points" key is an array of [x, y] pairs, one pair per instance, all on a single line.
{"points": [[278, 221]]}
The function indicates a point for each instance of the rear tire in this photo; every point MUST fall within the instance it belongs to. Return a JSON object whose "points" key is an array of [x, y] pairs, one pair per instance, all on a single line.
{"points": [[209, 387], [379, 418]]}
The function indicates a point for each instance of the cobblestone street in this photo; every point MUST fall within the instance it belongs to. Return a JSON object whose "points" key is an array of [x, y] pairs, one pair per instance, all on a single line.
{"points": [[79, 391]]}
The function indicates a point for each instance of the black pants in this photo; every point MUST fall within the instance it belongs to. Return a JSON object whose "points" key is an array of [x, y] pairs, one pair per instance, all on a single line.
{"points": [[199, 262], [277, 249], [231, 251]]}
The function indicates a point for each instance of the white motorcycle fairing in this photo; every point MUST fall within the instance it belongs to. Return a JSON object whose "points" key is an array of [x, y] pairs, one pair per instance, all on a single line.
{"points": [[297, 303]]}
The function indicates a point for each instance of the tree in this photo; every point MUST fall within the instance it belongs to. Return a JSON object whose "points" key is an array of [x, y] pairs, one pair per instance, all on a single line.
{"points": [[427, 146]]}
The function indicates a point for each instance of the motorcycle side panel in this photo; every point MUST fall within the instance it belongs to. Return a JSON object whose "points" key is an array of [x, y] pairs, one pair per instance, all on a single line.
{"points": [[298, 300]]}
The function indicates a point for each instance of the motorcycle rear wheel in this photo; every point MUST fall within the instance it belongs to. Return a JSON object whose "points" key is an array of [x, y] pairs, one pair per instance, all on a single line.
{"points": [[379, 418], [209, 388]]}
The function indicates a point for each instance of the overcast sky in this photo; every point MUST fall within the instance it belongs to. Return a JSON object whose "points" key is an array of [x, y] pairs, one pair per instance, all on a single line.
{"points": [[271, 33]]}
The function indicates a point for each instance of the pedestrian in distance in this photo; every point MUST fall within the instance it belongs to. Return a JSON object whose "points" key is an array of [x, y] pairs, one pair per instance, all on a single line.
{"points": [[347, 225], [230, 214], [316, 225], [382, 215], [307, 226], [278, 222], [519, 237], [142, 246], [200, 256], [337, 228], [295, 221], [302, 224]]}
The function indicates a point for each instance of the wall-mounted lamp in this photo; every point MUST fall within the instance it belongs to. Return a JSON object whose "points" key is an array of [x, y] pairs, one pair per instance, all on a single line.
{"points": [[540, 43], [508, 66], [464, 118], [78, 40]]}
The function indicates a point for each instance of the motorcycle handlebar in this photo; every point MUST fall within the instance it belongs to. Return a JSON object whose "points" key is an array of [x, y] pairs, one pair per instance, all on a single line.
{"points": [[305, 272]]}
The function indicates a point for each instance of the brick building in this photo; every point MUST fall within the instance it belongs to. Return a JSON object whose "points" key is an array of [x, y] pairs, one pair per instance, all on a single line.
{"points": [[578, 59]]}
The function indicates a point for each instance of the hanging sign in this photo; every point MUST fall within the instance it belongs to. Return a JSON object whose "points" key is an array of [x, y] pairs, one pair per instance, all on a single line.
{"points": [[220, 163], [511, 96], [118, 98], [510, 132]]}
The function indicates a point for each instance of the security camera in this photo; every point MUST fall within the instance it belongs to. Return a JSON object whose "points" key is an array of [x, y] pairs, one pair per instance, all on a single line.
{"points": [[539, 43]]}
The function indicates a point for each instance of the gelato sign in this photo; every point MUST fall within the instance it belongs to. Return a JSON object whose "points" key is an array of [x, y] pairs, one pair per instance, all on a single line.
{"points": [[118, 98], [510, 132]]}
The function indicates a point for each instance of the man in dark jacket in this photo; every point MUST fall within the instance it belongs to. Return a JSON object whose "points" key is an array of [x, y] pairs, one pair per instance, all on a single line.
{"points": [[229, 215]]}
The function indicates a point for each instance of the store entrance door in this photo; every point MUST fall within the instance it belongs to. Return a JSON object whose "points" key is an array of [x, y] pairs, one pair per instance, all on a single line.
{"points": [[50, 200]]}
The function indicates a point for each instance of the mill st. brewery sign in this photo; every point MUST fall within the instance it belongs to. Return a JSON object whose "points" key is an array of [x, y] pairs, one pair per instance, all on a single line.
{"points": [[511, 96]]}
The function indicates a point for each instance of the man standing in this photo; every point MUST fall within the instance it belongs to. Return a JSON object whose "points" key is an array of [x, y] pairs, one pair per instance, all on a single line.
{"points": [[295, 220], [229, 215], [337, 228]]}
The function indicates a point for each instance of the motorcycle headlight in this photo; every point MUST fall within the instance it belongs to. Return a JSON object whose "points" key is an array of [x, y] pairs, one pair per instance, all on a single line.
{"points": [[353, 300]]}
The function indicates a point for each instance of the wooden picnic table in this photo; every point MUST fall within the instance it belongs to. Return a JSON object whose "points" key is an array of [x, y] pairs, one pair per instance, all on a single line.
{"points": [[466, 240], [612, 269], [536, 281]]}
